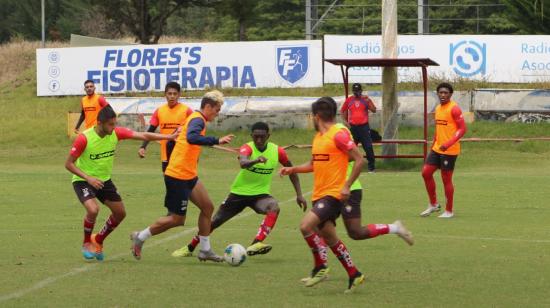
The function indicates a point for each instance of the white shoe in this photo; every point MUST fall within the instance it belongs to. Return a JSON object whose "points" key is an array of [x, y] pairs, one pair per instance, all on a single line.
{"points": [[430, 210], [446, 215], [403, 232]]}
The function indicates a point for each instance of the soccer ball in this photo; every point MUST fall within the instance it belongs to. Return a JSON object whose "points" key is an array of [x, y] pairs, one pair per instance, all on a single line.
{"points": [[234, 254]]}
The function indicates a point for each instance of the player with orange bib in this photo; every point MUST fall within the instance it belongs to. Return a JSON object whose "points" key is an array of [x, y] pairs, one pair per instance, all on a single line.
{"points": [[449, 128], [182, 182], [332, 147], [91, 104], [167, 118]]}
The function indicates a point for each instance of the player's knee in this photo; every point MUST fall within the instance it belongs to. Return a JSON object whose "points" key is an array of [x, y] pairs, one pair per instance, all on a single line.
{"points": [[305, 228], [92, 212], [273, 207], [355, 234], [426, 174]]}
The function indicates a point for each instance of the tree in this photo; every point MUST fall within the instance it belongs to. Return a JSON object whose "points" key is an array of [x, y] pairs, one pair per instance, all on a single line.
{"points": [[242, 11], [146, 20], [529, 15]]}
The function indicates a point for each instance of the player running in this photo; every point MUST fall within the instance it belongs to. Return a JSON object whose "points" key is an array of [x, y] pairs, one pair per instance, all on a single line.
{"points": [[332, 146], [182, 182], [251, 188], [91, 161], [449, 128], [168, 118]]}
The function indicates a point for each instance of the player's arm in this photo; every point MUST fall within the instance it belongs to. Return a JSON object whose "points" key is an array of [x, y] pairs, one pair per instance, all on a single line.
{"points": [[143, 147], [303, 168], [79, 122], [102, 101], [345, 143], [244, 157], [147, 136], [194, 134], [78, 147], [461, 129], [370, 105], [344, 112], [294, 179]]}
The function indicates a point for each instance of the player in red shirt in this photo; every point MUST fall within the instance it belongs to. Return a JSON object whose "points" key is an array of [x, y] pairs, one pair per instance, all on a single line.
{"points": [[355, 114]]}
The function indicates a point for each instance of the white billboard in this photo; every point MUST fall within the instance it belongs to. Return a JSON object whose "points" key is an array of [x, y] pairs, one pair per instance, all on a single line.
{"points": [[142, 68], [496, 58]]}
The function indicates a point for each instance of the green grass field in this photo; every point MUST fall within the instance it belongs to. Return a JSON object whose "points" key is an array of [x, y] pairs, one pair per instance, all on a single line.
{"points": [[495, 252]]}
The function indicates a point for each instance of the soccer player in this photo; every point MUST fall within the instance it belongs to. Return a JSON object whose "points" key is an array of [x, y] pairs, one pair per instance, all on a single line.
{"points": [[182, 182], [168, 117], [332, 146], [91, 104], [355, 113], [251, 188], [91, 161], [449, 128]]}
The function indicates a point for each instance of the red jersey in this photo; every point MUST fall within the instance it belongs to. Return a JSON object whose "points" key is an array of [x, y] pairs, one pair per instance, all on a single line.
{"points": [[358, 109]]}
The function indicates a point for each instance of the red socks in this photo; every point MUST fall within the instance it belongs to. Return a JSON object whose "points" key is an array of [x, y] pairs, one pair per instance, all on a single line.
{"points": [[318, 249], [427, 174], [377, 229], [447, 177], [194, 242], [88, 229], [266, 226], [110, 225], [340, 250]]}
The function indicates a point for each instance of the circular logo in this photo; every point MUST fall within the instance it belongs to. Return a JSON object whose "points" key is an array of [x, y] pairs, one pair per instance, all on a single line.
{"points": [[54, 71], [348, 208], [53, 85], [320, 205], [468, 58], [53, 57], [445, 162]]}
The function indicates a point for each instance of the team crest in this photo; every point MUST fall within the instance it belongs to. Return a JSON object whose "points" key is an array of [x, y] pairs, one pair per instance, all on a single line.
{"points": [[292, 63]]}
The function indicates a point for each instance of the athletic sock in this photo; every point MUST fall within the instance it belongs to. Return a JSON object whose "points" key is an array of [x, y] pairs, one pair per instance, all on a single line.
{"points": [[88, 229], [377, 229], [429, 182], [267, 225], [318, 249], [447, 177], [110, 225], [193, 244], [144, 234], [205, 243], [341, 252]]}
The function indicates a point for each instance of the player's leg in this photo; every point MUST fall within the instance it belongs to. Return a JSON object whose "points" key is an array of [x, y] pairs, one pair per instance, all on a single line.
{"points": [[430, 166], [232, 206], [351, 215], [199, 196], [328, 232], [367, 146], [447, 167], [175, 201], [87, 196], [270, 207]]}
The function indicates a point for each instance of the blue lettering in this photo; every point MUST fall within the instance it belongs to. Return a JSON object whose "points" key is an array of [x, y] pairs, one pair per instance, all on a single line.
{"points": [[162, 54], [188, 74], [94, 76], [117, 80], [175, 55], [156, 72], [148, 57], [109, 57], [194, 55], [206, 78], [172, 74], [222, 73], [104, 81], [129, 82], [137, 79], [119, 59], [134, 53], [525, 65], [248, 77], [235, 70]]}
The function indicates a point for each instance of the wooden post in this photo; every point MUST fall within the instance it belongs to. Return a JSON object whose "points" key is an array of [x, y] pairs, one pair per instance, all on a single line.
{"points": [[389, 76]]}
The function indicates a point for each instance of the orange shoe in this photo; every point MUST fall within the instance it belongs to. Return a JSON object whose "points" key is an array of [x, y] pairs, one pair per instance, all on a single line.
{"points": [[98, 248]]}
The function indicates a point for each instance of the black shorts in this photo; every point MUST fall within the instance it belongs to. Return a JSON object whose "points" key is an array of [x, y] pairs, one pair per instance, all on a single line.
{"points": [[177, 194], [164, 164], [442, 161], [327, 208], [352, 207], [85, 191], [234, 204]]}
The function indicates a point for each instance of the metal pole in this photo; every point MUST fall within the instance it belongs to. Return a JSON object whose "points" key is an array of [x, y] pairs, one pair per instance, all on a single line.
{"points": [[425, 86], [308, 20], [43, 9], [423, 20]]}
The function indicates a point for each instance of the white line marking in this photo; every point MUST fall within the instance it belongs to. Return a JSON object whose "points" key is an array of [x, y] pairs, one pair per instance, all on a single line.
{"points": [[88, 267]]}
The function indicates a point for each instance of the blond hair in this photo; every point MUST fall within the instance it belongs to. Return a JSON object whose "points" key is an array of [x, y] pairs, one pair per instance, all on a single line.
{"points": [[212, 98]]}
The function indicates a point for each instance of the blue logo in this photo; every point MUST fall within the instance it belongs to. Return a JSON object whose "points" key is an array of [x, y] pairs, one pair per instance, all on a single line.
{"points": [[53, 57], [54, 71], [292, 62], [468, 58], [53, 85]]}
